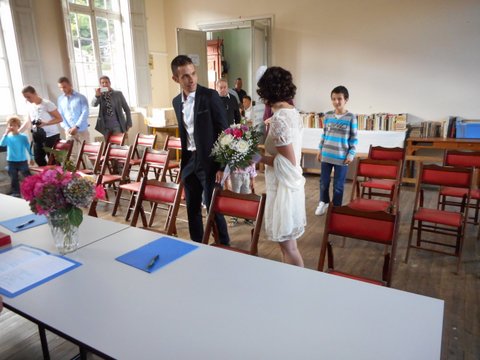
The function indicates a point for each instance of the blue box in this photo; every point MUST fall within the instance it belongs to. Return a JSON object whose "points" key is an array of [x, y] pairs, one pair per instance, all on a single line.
{"points": [[468, 129]]}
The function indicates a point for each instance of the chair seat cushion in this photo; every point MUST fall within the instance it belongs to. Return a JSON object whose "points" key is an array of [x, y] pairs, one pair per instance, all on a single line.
{"points": [[369, 204], [459, 192], [435, 216], [383, 184], [134, 186], [353, 277], [108, 178]]}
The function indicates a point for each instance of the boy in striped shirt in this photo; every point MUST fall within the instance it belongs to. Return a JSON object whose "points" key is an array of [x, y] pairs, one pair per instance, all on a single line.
{"points": [[336, 149]]}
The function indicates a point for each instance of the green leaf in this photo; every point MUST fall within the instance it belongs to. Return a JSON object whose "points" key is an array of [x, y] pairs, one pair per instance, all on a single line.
{"points": [[75, 216]]}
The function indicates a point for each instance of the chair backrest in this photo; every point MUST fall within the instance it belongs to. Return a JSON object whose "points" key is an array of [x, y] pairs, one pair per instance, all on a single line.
{"points": [[92, 151], [377, 169], [172, 143], [156, 160], [160, 192], [440, 176], [143, 141], [377, 227], [118, 139], [61, 145], [121, 154], [385, 153], [245, 206], [462, 158]]}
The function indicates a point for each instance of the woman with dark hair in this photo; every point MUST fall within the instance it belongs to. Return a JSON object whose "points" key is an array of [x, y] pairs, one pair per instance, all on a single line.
{"points": [[285, 217]]}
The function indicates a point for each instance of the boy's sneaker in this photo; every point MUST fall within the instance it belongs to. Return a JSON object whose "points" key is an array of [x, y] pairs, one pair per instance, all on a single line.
{"points": [[321, 208]]}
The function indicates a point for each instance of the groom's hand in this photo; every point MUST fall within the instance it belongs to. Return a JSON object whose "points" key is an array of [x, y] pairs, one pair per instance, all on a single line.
{"points": [[219, 176]]}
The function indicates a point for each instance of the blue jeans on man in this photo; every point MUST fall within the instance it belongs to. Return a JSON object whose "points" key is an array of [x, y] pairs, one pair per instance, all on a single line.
{"points": [[340, 172]]}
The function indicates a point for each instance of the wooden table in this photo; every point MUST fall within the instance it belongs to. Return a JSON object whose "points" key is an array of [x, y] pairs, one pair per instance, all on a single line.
{"points": [[413, 144]]}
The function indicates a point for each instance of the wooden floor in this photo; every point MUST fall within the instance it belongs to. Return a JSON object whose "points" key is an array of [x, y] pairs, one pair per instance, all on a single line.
{"points": [[426, 273]]}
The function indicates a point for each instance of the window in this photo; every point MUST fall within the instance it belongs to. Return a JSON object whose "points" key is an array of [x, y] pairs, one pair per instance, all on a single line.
{"points": [[6, 92], [97, 44]]}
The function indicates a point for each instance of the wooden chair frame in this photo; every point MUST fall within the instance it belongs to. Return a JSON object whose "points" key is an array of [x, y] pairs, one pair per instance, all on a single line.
{"points": [[340, 222], [152, 159], [446, 196], [66, 145], [92, 151], [158, 192], [113, 153], [245, 206], [433, 220], [174, 144]]}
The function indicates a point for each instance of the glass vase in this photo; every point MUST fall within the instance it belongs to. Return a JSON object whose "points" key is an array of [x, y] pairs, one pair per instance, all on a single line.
{"points": [[64, 233]]}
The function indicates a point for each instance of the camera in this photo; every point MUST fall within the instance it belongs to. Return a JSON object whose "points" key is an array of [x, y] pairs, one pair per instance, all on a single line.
{"points": [[38, 134], [104, 89]]}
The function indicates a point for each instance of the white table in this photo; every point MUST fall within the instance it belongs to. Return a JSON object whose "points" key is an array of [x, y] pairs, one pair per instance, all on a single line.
{"points": [[91, 229], [216, 304]]}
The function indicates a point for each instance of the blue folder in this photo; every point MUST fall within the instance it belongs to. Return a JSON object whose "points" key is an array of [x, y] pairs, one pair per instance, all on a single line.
{"points": [[145, 257], [15, 224]]}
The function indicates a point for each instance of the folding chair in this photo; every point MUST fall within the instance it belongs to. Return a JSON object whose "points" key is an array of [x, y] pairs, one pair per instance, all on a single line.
{"points": [[92, 152], [383, 187], [245, 206], [374, 227], [66, 146], [370, 171], [152, 160], [141, 143], [433, 220], [175, 145], [159, 193], [450, 196], [114, 153]]}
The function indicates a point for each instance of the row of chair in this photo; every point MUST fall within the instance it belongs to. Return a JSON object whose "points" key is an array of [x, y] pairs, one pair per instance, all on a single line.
{"points": [[376, 220]]}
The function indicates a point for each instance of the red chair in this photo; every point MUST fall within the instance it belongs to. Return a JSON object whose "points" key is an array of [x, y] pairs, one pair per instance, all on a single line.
{"points": [[152, 160], [141, 143], [245, 206], [174, 144], [374, 227], [376, 171], [114, 153], [450, 196], [434, 220], [89, 151], [160, 193], [65, 146], [383, 187]]}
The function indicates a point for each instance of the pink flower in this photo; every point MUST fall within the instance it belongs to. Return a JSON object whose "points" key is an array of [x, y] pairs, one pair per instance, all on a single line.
{"points": [[99, 192], [237, 133], [229, 131]]}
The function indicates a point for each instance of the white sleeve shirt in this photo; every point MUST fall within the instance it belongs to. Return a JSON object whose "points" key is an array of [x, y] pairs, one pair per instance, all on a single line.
{"points": [[187, 109]]}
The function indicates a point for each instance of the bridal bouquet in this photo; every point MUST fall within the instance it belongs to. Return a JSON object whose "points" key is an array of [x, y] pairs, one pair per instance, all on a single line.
{"points": [[236, 146]]}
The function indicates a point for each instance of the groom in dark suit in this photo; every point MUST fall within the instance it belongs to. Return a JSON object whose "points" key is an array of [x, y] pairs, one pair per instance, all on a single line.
{"points": [[201, 118]]}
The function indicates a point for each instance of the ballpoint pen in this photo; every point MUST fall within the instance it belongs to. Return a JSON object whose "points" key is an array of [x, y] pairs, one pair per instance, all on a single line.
{"points": [[25, 224], [153, 261]]}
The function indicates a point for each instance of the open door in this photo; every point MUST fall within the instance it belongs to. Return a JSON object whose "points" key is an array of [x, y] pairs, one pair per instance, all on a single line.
{"points": [[193, 43]]}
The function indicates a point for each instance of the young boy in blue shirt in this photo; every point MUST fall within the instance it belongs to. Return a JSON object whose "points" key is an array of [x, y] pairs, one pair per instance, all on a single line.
{"points": [[336, 149], [18, 146]]}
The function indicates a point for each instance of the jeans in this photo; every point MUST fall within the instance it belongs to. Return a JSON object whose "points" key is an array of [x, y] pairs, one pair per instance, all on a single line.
{"points": [[340, 172], [14, 167]]}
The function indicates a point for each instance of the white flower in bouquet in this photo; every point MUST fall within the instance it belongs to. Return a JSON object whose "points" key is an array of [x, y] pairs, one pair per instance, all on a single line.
{"points": [[242, 146], [226, 140]]}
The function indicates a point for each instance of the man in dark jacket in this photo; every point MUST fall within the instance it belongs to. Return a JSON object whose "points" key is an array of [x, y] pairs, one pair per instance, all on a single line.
{"points": [[201, 118]]}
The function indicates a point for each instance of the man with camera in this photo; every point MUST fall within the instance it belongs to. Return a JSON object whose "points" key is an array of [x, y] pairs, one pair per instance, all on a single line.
{"points": [[42, 119], [73, 107]]}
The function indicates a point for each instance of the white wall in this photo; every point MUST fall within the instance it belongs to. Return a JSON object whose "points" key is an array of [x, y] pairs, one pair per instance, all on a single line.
{"points": [[419, 57]]}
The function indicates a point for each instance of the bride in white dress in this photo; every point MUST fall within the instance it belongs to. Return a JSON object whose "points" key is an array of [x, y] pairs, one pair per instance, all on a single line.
{"points": [[285, 217]]}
